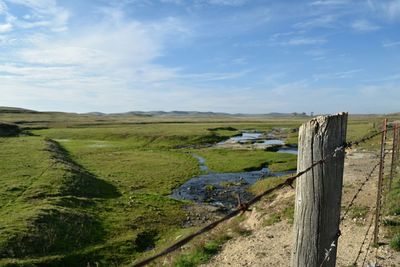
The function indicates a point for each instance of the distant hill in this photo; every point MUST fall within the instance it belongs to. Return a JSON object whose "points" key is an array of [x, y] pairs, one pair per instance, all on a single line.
{"points": [[160, 113], [172, 113], [16, 110]]}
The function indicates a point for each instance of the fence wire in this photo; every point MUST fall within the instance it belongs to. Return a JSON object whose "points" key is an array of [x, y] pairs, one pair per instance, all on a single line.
{"points": [[363, 242], [245, 206]]}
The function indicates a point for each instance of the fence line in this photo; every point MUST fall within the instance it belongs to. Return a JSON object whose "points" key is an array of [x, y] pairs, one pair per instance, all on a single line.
{"points": [[366, 252], [244, 206], [380, 183], [363, 242], [368, 176]]}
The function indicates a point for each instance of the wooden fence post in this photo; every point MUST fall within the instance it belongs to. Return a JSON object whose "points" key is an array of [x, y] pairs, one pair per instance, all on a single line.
{"points": [[380, 183], [319, 191], [394, 156]]}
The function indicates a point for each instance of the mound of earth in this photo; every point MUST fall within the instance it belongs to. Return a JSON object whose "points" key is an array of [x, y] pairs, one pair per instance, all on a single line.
{"points": [[8, 129]]}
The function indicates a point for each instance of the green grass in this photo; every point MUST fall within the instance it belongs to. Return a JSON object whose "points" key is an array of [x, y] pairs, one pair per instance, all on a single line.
{"points": [[286, 213], [201, 254], [100, 191], [392, 210], [224, 160], [358, 212], [395, 242], [44, 212], [265, 184]]}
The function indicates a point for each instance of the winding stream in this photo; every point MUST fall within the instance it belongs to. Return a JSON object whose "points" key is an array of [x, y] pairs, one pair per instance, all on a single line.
{"points": [[220, 189]]}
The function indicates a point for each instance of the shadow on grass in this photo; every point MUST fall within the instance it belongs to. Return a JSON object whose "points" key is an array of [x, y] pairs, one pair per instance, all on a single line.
{"points": [[80, 182]]}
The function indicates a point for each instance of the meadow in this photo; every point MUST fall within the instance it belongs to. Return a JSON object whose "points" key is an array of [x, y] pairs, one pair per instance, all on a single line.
{"points": [[84, 189]]}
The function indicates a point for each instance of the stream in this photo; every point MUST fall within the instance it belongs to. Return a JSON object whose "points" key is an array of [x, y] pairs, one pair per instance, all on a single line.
{"points": [[221, 189]]}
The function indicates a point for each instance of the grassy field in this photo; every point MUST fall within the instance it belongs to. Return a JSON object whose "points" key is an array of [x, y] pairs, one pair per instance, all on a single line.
{"points": [[78, 189]]}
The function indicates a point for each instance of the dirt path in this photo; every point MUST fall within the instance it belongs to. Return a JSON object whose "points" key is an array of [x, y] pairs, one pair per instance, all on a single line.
{"points": [[271, 245]]}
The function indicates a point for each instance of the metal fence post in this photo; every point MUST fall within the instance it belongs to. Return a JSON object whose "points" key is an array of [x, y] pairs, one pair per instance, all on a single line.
{"points": [[394, 157], [380, 182]]}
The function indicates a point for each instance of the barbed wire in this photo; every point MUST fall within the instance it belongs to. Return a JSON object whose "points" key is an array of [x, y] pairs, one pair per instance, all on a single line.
{"points": [[333, 244], [331, 248], [366, 252], [380, 194], [242, 207], [367, 177], [363, 242], [349, 145]]}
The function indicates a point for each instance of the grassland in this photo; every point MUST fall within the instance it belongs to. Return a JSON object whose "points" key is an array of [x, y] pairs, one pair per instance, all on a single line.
{"points": [[78, 189], [392, 220], [224, 160]]}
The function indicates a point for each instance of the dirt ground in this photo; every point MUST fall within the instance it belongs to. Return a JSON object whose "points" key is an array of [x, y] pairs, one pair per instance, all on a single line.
{"points": [[271, 245]]}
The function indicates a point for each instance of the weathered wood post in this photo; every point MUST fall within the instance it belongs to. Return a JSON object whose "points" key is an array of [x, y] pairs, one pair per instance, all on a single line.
{"points": [[319, 191]]}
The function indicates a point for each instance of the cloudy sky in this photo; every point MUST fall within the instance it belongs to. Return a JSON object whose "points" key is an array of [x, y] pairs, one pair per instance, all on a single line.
{"points": [[250, 56]]}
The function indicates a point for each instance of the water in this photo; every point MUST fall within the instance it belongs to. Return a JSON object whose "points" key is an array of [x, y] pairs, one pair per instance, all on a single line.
{"points": [[256, 141], [290, 150], [243, 138], [202, 163], [220, 189], [273, 142]]}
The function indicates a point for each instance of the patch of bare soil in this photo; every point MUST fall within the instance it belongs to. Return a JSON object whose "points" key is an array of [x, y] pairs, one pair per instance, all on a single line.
{"points": [[270, 245]]}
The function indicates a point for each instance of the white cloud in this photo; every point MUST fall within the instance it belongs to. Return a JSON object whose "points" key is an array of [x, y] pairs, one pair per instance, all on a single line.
{"points": [[227, 2], [390, 43], [388, 9], [337, 75], [176, 2], [329, 2], [113, 55], [43, 13], [325, 21], [363, 25], [6, 27], [304, 41], [392, 8], [295, 38], [393, 77], [3, 7]]}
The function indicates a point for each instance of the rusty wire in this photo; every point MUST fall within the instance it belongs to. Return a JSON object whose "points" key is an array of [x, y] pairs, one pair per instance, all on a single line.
{"points": [[363, 242], [328, 251], [367, 177], [244, 206], [366, 252]]}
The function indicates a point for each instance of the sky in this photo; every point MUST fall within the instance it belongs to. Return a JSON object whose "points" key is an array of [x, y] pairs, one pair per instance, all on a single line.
{"points": [[236, 56]]}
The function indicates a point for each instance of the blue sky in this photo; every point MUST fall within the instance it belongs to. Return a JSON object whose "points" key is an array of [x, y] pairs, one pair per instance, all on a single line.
{"points": [[249, 56]]}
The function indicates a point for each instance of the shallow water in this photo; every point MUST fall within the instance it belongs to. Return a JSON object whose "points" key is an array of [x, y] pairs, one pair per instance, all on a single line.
{"points": [[220, 189], [290, 150], [243, 138]]}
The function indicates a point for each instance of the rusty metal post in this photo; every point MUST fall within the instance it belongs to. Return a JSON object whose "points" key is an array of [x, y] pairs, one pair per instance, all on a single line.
{"points": [[398, 144], [394, 156], [380, 182]]}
